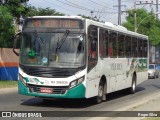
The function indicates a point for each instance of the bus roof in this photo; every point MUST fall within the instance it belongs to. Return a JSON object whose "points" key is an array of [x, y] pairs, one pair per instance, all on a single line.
{"points": [[79, 17], [118, 28]]}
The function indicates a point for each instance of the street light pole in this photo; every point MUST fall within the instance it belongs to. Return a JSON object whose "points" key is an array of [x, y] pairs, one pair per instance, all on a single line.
{"points": [[143, 20]]}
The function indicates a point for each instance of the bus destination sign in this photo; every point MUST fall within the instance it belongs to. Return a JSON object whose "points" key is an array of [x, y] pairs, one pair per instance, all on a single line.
{"points": [[54, 23]]}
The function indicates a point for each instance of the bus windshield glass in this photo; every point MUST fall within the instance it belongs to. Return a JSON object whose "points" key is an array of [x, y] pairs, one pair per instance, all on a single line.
{"points": [[60, 50]]}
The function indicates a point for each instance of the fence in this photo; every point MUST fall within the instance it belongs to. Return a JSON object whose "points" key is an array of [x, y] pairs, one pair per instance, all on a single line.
{"points": [[8, 64]]}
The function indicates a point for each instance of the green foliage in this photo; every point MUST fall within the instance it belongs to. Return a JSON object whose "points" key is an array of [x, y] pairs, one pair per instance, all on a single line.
{"points": [[146, 24], [33, 11], [6, 28], [16, 8], [10, 9]]}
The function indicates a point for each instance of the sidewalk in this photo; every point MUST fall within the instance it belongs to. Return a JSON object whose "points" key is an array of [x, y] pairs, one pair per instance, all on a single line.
{"points": [[8, 90], [149, 103]]}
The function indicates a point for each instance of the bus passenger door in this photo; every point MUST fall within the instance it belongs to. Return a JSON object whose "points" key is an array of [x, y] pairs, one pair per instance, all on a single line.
{"points": [[92, 75]]}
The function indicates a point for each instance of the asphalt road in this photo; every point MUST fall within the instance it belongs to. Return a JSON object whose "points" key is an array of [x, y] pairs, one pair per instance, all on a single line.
{"points": [[118, 101]]}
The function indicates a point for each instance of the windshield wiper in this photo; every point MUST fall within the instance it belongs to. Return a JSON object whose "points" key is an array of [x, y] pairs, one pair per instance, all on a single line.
{"points": [[60, 43], [62, 40], [39, 39]]}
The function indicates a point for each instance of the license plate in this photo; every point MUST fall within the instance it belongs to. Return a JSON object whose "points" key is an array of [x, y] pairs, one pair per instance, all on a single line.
{"points": [[46, 90]]}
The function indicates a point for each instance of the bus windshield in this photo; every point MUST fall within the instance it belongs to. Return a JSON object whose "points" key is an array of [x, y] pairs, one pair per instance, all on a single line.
{"points": [[60, 50]]}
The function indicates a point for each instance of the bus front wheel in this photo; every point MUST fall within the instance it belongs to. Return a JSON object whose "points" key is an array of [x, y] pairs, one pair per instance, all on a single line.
{"points": [[101, 93]]}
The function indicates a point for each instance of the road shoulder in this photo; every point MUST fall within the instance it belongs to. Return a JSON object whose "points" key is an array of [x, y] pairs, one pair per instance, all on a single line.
{"points": [[8, 90]]}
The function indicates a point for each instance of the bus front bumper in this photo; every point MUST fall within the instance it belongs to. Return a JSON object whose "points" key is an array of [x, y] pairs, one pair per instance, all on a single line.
{"points": [[76, 92]]}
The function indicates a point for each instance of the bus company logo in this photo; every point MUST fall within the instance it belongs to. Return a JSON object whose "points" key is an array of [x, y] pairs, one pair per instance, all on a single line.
{"points": [[6, 114], [37, 81]]}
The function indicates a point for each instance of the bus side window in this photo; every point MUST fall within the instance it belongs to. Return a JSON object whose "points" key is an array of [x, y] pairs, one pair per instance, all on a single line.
{"points": [[128, 46], [140, 47], [103, 43], [134, 47], [92, 42], [145, 48], [93, 48], [112, 50], [121, 52]]}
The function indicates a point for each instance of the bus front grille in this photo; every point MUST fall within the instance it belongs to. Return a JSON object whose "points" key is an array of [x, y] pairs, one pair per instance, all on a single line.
{"points": [[55, 89]]}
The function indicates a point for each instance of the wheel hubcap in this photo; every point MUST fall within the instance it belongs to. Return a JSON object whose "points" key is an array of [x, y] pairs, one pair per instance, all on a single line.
{"points": [[133, 86]]}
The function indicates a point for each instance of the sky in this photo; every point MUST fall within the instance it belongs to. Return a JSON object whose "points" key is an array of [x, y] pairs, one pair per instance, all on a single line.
{"points": [[105, 10]]}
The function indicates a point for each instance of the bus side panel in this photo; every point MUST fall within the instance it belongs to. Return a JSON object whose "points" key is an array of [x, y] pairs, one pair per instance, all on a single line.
{"points": [[92, 83], [142, 73], [106, 68], [120, 73]]}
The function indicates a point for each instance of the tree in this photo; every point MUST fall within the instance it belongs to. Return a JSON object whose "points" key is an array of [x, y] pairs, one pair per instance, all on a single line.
{"points": [[9, 10], [147, 24], [33, 11], [17, 9], [6, 28]]}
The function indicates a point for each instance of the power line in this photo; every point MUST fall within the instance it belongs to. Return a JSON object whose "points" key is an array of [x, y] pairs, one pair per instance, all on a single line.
{"points": [[82, 8], [101, 5], [57, 5]]}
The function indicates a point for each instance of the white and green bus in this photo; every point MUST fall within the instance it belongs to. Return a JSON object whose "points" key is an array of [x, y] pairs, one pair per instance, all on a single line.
{"points": [[73, 57]]}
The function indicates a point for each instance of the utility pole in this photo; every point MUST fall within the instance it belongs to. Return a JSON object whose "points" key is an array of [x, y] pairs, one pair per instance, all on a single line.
{"points": [[135, 14], [157, 9], [135, 18], [119, 11]]}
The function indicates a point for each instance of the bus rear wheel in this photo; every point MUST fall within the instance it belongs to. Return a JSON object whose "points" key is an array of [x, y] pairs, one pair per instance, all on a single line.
{"points": [[101, 93], [133, 86]]}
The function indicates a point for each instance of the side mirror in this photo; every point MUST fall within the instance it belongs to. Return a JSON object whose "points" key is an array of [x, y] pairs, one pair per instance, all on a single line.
{"points": [[15, 43]]}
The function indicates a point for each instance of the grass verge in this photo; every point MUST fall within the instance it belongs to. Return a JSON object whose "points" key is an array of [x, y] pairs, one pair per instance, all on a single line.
{"points": [[6, 84]]}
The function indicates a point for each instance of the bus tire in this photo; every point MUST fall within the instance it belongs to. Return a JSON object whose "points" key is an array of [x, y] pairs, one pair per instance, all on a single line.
{"points": [[154, 76], [101, 93], [133, 86]]}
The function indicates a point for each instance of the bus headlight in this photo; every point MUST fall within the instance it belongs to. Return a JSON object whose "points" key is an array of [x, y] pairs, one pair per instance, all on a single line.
{"points": [[76, 82], [21, 78]]}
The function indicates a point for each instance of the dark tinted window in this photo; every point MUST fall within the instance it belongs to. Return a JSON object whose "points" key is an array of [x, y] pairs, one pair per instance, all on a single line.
{"points": [[128, 46], [145, 47], [112, 44], [92, 46], [103, 43], [140, 47], [121, 45], [134, 47]]}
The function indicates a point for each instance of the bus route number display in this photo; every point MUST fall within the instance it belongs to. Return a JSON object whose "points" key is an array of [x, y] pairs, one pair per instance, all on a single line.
{"points": [[54, 23]]}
